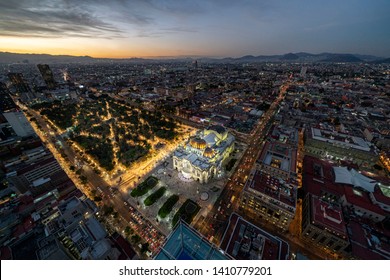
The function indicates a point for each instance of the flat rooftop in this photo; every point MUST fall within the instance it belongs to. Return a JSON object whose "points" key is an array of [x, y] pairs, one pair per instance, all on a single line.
{"points": [[367, 242], [327, 216], [280, 156], [283, 191], [340, 139], [284, 134], [184, 243], [244, 241], [318, 177], [362, 199]]}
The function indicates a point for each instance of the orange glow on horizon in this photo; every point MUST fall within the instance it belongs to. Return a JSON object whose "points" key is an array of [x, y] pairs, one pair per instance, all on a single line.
{"points": [[92, 53], [94, 47]]}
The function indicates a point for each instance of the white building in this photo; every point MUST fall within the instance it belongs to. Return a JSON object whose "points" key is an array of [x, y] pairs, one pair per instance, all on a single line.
{"points": [[202, 156]]}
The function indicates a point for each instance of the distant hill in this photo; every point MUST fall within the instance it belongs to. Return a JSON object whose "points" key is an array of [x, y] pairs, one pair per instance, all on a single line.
{"points": [[386, 60], [289, 56], [341, 58], [305, 57], [7, 58], [367, 57]]}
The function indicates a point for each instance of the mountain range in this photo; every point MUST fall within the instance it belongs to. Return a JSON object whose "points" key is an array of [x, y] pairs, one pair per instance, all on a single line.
{"points": [[7, 58]]}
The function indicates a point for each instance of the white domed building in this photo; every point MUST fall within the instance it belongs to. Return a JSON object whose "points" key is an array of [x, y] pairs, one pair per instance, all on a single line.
{"points": [[202, 156]]}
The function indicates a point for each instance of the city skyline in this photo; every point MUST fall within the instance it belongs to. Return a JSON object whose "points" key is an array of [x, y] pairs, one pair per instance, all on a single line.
{"points": [[101, 159], [123, 29]]}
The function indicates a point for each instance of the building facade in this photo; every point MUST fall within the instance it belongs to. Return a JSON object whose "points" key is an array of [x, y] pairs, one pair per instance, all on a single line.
{"points": [[331, 144], [270, 198], [270, 192], [323, 224], [201, 158]]}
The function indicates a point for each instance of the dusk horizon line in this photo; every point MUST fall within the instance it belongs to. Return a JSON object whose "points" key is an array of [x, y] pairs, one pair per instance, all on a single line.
{"points": [[198, 55]]}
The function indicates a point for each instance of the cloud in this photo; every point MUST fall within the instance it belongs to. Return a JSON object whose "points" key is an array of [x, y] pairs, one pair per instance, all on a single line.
{"points": [[183, 7], [179, 29], [105, 18], [52, 19], [91, 18], [144, 33]]}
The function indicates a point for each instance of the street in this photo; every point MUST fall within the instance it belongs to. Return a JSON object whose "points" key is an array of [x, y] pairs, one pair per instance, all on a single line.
{"points": [[128, 215]]}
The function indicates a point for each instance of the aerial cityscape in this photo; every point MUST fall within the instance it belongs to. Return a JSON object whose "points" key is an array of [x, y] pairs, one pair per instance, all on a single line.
{"points": [[194, 130]]}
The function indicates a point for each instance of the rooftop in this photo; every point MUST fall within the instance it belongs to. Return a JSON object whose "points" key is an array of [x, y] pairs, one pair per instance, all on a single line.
{"points": [[99, 248], [52, 251], [321, 176], [328, 216], [284, 134], [127, 252], [40, 182], [184, 243], [318, 177], [70, 204], [352, 177], [95, 229], [274, 187], [243, 240], [362, 199], [368, 244], [340, 139], [280, 156]]}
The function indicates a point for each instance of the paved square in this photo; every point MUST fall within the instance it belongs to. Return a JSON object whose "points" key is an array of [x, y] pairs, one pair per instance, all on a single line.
{"points": [[203, 194]]}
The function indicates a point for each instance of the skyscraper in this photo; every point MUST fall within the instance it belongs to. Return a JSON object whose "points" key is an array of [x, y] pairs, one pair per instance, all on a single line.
{"points": [[18, 82], [47, 76]]}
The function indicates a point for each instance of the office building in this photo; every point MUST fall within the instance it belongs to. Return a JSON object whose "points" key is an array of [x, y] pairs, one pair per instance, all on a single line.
{"points": [[270, 199]]}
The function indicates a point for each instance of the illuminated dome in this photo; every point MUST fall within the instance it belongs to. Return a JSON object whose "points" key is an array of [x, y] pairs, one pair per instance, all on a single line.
{"points": [[208, 152], [201, 158], [198, 143]]}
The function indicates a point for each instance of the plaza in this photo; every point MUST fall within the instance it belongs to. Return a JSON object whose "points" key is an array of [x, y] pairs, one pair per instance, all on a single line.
{"points": [[202, 192], [204, 195]]}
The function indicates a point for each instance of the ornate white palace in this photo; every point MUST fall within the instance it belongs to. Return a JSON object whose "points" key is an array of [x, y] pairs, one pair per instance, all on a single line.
{"points": [[202, 156]]}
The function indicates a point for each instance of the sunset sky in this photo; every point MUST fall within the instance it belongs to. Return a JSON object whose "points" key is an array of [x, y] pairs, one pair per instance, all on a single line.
{"points": [[144, 28]]}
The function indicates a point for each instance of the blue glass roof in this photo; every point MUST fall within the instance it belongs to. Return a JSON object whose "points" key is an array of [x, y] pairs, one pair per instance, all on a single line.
{"points": [[184, 243]]}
